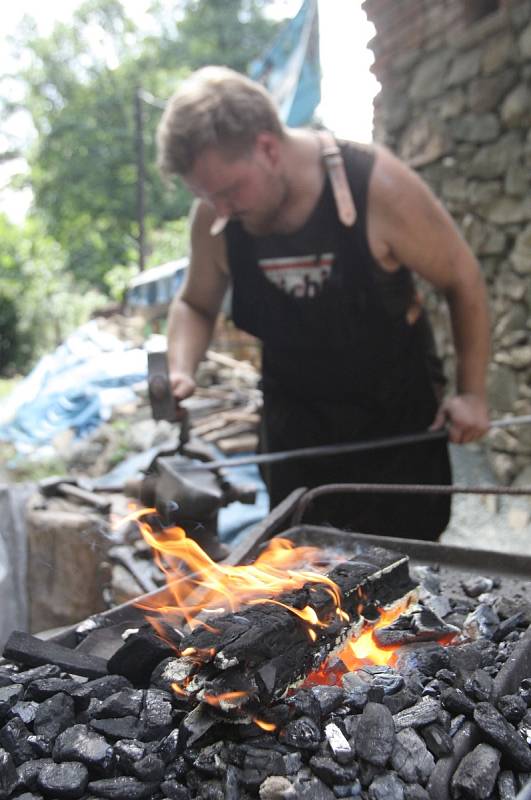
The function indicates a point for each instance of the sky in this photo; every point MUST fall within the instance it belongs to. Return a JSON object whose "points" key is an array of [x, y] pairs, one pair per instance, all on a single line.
{"points": [[347, 86]]}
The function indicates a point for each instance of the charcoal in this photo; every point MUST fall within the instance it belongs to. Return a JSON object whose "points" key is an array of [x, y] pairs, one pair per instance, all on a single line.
{"points": [[175, 791], [349, 791], [9, 779], [100, 689], [7, 677], [479, 686], [168, 747], [44, 688], [399, 701], [80, 743], [428, 577], [414, 791], [410, 758], [368, 677], [438, 741], [432, 689], [422, 713], [24, 710], [338, 744], [302, 733], [31, 651], [29, 796], [328, 697], [427, 659], [513, 707], [314, 789], [120, 788], [54, 716], [439, 604], [292, 763], [386, 787], [524, 690], [375, 736], [456, 724], [445, 719], [9, 695], [476, 775], [127, 702], [118, 728], [523, 780], [355, 699], [332, 773], [211, 760], [156, 716], [507, 789], [482, 622], [502, 735], [418, 624], [14, 738], [150, 768], [195, 725], [68, 779], [127, 752], [38, 673], [446, 676], [465, 658], [456, 702], [28, 772], [509, 626], [139, 655], [473, 587], [275, 787], [42, 747], [304, 704]]}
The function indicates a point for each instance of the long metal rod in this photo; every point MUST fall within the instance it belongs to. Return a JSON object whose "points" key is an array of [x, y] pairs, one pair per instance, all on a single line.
{"points": [[341, 449], [400, 488]]}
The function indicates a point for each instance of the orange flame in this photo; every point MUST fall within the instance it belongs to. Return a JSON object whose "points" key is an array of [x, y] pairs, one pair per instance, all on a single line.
{"points": [[266, 726], [363, 649], [226, 697], [197, 584]]}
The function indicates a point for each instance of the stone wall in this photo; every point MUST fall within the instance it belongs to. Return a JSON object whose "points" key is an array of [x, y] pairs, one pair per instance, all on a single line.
{"points": [[456, 105]]}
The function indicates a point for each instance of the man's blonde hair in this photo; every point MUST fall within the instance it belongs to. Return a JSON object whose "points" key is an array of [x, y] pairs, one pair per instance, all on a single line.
{"points": [[214, 107]]}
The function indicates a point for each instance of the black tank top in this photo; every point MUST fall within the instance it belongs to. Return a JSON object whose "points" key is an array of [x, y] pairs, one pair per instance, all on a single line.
{"points": [[332, 321]]}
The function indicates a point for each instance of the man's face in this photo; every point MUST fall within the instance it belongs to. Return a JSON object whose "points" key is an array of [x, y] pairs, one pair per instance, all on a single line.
{"points": [[248, 188]]}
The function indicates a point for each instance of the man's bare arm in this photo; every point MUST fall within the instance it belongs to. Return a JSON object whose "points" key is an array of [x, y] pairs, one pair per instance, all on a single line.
{"points": [[193, 312], [409, 226]]}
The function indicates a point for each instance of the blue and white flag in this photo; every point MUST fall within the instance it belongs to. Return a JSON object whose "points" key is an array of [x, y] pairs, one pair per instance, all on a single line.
{"points": [[290, 68]]}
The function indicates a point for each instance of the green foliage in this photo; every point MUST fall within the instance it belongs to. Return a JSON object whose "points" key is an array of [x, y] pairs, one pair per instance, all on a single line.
{"points": [[169, 243], [79, 85], [40, 298]]}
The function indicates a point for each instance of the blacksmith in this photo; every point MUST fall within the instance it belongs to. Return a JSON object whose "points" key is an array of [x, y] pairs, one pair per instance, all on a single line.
{"points": [[321, 253]]}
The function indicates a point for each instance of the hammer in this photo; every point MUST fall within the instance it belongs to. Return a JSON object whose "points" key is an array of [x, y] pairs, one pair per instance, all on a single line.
{"points": [[164, 405], [70, 489]]}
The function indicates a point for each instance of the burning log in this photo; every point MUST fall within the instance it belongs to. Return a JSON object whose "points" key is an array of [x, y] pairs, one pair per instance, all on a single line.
{"points": [[255, 655]]}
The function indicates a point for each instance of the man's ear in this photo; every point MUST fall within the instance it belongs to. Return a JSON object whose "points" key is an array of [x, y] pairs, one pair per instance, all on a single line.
{"points": [[268, 146]]}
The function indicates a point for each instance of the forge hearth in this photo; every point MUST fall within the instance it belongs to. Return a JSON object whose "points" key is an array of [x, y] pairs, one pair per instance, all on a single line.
{"points": [[443, 721]]}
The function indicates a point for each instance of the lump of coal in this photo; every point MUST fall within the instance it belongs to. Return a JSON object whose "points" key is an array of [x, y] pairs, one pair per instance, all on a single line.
{"points": [[14, 737], [513, 707], [438, 741], [503, 736], [80, 743], [482, 622], [328, 697], [302, 733], [427, 659], [331, 772], [386, 787], [473, 587], [375, 736], [476, 774], [139, 655], [339, 745], [54, 716], [422, 713], [417, 625], [456, 702], [479, 686], [68, 779], [118, 788], [8, 774], [411, 759]]}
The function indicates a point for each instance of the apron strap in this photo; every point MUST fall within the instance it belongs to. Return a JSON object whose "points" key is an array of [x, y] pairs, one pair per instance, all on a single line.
{"points": [[335, 167]]}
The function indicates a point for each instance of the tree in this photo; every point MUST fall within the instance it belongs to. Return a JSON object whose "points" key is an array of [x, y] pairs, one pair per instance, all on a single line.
{"points": [[79, 87]]}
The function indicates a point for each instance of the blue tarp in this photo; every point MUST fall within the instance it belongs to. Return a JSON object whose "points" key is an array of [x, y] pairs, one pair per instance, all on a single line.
{"points": [[74, 387], [290, 68]]}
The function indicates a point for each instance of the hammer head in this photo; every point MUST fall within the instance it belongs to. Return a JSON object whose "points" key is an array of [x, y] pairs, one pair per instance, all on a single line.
{"points": [[163, 403]]}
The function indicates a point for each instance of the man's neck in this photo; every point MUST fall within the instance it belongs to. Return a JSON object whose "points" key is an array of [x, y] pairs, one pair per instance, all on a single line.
{"points": [[305, 176]]}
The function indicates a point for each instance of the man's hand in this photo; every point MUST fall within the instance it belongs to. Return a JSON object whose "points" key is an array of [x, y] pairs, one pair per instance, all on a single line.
{"points": [[182, 385], [465, 415]]}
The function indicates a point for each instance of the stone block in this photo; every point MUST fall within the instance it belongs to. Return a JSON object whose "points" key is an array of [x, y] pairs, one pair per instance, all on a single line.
{"points": [[66, 563], [516, 108]]}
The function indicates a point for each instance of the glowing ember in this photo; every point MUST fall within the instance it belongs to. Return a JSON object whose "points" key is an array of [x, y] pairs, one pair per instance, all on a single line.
{"points": [[266, 726]]}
